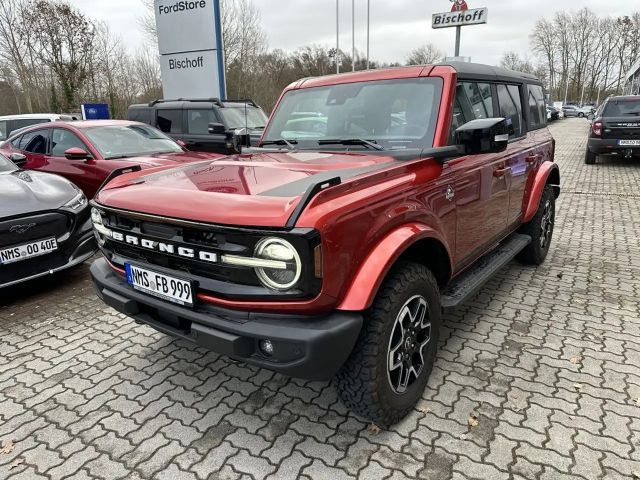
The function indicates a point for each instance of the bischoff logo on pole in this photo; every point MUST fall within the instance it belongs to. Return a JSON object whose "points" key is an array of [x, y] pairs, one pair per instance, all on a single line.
{"points": [[459, 16]]}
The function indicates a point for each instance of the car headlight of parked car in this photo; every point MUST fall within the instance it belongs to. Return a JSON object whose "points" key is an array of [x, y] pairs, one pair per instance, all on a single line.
{"points": [[98, 226], [276, 262], [76, 203]]}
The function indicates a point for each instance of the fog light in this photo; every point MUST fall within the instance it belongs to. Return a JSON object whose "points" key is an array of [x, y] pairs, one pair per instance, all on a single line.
{"points": [[266, 347]]}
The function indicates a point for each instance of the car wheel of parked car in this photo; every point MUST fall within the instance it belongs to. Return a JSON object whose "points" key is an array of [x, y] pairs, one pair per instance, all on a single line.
{"points": [[540, 229], [590, 157], [581, 115], [391, 362]]}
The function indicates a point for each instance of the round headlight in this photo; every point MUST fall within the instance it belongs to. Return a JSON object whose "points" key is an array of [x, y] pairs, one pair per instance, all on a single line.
{"points": [[96, 217], [283, 252]]}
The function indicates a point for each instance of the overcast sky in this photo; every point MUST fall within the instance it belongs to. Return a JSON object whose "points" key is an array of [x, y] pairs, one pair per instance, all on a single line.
{"points": [[397, 26]]}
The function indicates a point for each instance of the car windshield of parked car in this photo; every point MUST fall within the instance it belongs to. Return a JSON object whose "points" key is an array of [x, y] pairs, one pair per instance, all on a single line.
{"points": [[121, 141], [622, 108], [6, 165], [235, 117], [391, 113]]}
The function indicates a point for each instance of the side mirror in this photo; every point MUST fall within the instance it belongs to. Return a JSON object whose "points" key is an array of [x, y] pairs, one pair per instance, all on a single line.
{"points": [[484, 135], [76, 153], [241, 138], [18, 159], [216, 129]]}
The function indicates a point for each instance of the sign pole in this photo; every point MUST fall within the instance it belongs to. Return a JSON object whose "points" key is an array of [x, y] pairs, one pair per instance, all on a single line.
{"points": [[368, 29], [458, 32], [337, 36]]}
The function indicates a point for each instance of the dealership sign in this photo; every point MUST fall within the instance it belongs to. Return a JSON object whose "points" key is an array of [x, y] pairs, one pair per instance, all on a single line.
{"points": [[190, 44], [460, 18]]}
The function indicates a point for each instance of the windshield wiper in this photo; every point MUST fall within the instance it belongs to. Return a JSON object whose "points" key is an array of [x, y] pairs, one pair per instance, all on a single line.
{"points": [[351, 141], [281, 141], [117, 157], [633, 113]]}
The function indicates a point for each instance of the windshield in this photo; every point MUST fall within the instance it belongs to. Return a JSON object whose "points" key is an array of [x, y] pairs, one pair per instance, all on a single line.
{"points": [[6, 165], [235, 118], [622, 108], [392, 113], [118, 141]]}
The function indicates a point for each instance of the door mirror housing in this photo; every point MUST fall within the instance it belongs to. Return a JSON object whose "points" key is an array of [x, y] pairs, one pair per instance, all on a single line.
{"points": [[76, 153], [241, 138], [484, 135], [18, 159], [217, 129]]}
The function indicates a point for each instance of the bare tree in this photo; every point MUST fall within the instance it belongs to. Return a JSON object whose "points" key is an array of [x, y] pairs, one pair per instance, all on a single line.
{"points": [[424, 55], [65, 37]]}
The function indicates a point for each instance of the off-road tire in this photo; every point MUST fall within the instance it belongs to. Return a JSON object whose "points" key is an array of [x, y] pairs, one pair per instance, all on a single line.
{"points": [[590, 157], [363, 383], [535, 253]]}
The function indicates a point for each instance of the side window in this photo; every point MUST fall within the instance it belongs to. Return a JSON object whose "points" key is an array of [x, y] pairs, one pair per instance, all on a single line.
{"points": [[199, 121], [35, 142], [62, 140], [170, 121], [511, 107], [140, 115], [4, 133], [473, 101], [537, 108]]}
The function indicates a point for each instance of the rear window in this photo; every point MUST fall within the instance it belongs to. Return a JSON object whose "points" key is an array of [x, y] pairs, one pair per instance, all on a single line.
{"points": [[511, 107], [622, 108], [140, 115], [537, 108]]}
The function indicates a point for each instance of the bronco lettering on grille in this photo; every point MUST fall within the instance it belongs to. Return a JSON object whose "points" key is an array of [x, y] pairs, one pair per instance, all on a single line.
{"points": [[162, 247]]}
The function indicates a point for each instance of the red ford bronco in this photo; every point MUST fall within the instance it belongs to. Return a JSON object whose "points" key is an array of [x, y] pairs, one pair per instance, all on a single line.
{"points": [[375, 202]]}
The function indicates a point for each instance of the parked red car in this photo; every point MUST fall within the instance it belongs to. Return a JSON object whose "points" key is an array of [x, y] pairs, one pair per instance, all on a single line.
{"points": [[378, 200], [87, 152]]}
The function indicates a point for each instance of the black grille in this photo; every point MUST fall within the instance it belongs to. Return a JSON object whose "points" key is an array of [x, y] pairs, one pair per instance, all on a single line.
{"points": [[199, 239], [34, 227]]}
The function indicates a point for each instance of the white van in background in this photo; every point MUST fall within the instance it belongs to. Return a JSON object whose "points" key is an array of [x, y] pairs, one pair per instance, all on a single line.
{"points": [[11, 123]]}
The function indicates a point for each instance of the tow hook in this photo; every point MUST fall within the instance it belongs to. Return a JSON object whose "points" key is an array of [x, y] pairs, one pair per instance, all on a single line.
{"points": [[628, 153]]}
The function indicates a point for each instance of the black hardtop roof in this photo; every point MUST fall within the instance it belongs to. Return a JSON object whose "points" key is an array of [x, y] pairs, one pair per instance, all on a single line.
{"points": [[623, 98], [488, 72]]}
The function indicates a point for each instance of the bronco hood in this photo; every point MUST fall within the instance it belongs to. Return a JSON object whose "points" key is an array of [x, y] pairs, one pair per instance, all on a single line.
{"points": [[253, 190]]}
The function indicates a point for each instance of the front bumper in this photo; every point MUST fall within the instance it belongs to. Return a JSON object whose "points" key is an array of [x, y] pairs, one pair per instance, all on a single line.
{"points": [[305, 347], [602, 146], [78, 247]]}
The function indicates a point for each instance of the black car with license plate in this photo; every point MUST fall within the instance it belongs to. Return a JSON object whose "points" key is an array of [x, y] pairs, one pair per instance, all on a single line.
{"points": [[45, 223], [615, 129]]}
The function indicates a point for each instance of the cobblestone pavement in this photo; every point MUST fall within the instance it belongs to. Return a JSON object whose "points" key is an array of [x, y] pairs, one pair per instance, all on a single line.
{"points": [[546, 359]]}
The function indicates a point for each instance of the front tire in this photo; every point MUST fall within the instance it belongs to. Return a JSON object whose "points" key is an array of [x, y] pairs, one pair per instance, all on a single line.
{"points": [[540, 229], [581, 115], [390, 365], [590, 157]]}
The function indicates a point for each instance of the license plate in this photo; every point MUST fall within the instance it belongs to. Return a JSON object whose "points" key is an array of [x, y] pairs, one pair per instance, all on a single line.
{"points": [[160, 285], [27, 250], [629, 143]]}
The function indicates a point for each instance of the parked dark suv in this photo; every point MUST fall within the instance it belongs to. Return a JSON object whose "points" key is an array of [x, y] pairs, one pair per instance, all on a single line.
{"points": [[188, 121], [376, 201], [615, 129]]}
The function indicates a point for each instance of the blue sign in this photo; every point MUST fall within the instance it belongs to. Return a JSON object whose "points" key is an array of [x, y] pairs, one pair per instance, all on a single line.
{"points": [[95, 111]]}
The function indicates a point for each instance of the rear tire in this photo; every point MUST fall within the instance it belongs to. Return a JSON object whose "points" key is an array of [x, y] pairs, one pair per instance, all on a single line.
{"points": [[540, 229], [590, 157], [581, 115], [390, 365]]}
